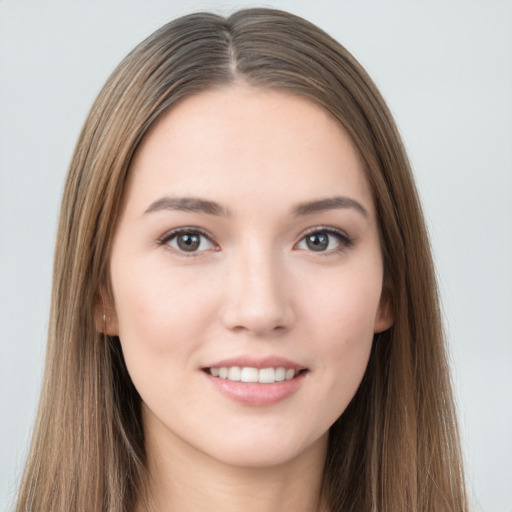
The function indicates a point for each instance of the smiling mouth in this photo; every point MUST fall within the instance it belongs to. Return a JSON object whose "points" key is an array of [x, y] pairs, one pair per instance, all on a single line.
{"points": [[249, 374]]}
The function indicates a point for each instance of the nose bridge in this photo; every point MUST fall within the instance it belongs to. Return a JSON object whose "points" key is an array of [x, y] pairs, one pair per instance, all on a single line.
{"points": [[258, 299]]}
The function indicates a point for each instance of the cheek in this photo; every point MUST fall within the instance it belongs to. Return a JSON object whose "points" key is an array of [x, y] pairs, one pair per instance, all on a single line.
{"points": [[160, 311], [343, 318], [349, 335], [163, 318], [346, 304]]}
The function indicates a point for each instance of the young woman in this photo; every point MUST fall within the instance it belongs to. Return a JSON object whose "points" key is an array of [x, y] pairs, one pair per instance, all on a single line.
{"points": [[244, 312]]}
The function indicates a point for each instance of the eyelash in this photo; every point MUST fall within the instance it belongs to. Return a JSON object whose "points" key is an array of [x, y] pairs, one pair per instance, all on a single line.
{"points": [[170, 235], [345, 241]]}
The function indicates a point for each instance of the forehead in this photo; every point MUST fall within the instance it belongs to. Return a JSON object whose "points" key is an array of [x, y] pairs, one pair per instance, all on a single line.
{"points": [[239, 143]]}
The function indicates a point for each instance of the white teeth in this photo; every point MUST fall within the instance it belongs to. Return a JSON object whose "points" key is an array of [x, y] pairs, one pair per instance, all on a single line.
{"points": [[234, 373], [267, 375], [248, 374], [280, 374], [289, 374]]}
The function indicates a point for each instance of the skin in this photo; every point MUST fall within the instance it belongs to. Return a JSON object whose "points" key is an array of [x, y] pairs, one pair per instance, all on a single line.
{"points": [[254, 287]]}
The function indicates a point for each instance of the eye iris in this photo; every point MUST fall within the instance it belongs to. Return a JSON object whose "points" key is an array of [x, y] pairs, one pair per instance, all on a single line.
{"points": [[317, 241], [188, 242]]}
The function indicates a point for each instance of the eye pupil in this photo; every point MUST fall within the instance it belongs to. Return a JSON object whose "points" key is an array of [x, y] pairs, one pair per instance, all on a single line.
{"points": [[317, 241], [188, 242]]}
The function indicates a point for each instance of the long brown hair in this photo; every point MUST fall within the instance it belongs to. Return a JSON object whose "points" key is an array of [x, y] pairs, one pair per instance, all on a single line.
{"points": [[396, 446]]}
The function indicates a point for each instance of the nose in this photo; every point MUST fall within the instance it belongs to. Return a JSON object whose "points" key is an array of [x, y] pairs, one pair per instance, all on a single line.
{"points": [[258, 296]]}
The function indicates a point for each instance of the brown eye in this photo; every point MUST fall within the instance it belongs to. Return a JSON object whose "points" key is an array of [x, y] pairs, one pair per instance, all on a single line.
{"points": [[187, 241], [325, 240], [317, 241]]}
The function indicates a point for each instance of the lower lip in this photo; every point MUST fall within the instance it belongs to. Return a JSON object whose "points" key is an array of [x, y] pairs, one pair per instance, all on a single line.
{"points": [[255, 394]]}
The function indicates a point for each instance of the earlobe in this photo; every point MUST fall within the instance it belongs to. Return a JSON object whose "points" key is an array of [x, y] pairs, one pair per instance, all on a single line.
{"points": [[105, 316], [385, 316]]}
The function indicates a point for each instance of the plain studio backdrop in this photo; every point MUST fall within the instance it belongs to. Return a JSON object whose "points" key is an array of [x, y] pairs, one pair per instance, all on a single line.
{"points": [[445, 68]]}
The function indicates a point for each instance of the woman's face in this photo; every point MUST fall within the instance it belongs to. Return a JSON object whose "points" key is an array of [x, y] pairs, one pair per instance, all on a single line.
{"points": [[247, 276]]}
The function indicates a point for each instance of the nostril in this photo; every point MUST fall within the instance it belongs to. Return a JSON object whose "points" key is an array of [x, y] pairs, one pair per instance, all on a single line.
{"points": [[258, 328], [263, 321]]}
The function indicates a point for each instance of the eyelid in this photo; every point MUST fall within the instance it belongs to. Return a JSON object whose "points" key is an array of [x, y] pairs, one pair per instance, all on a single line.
{"points": [[345, 240], [169, 235]]}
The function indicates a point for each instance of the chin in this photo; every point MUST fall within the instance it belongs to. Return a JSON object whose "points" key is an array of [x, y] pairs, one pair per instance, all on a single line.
{"points": [[260, 451]]}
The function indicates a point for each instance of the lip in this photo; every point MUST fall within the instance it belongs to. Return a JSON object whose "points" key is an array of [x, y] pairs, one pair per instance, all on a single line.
{"points": [[259, 363], [256, 394]]}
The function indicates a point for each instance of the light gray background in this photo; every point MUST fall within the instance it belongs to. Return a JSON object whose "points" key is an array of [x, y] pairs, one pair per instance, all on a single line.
{"points": [[445, 68]]}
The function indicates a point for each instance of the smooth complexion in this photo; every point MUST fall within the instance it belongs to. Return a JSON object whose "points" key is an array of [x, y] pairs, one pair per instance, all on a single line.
{"points": [[248, 238]]}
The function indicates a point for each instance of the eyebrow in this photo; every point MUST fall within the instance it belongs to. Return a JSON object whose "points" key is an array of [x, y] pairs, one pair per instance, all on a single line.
{"points": [[198, 205], [187, 204], [331, 203]]}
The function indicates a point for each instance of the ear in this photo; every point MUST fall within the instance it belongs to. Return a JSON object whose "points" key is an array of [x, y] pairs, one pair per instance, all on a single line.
{"points": [[385, 316], [105, 316]]}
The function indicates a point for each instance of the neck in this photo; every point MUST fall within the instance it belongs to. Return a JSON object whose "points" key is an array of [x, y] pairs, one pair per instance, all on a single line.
{"points": [[183, 479]]}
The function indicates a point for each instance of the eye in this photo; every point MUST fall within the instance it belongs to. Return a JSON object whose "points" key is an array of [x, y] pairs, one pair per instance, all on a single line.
{"points": [[187, 241], [324, 240]]}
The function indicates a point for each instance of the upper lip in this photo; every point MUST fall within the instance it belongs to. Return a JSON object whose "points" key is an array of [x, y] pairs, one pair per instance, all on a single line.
{"points": [[258, 362]]}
